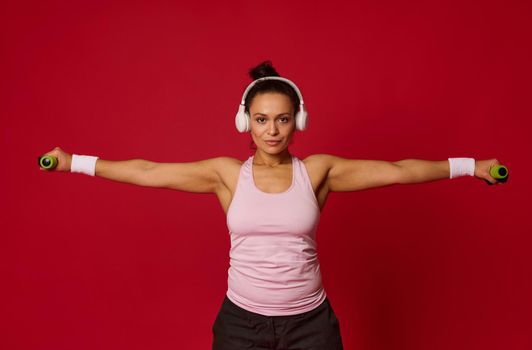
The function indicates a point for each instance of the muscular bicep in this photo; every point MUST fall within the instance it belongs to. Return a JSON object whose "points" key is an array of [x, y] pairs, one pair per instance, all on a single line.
{"points": [[200, 176], [359, 174]]}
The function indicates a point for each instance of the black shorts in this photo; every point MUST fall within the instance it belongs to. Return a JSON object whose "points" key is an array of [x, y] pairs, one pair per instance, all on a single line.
{"points": [[236, 328]]}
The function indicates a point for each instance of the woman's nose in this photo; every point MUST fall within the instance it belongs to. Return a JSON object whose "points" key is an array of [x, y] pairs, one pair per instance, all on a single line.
{"points": [[272, 129]]}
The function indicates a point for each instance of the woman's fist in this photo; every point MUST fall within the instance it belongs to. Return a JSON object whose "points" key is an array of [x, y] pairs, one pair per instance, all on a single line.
{"points": [[482, 170], [64, 160]]}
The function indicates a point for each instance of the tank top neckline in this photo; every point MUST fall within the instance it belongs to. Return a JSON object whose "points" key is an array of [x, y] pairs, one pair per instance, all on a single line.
{"points": [[292, 185]]}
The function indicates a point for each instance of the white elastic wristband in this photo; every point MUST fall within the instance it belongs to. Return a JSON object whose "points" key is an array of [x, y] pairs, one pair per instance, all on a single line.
{"points": [[83, 164], [461, 167]]}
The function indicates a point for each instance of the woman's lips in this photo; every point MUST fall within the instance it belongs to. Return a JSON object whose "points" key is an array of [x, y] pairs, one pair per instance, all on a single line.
{"points": [[272, 143]]}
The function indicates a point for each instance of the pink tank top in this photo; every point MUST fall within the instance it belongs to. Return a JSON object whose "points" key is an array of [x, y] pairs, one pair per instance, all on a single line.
{"points": [[274, 267]]}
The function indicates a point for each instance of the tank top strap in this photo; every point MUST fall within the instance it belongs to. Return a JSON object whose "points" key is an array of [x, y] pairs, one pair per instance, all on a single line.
{"points": [[302, 176], [244, 177]]}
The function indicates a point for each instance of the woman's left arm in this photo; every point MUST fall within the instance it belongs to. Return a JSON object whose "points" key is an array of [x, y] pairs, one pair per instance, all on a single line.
{"points": [[354, 174], [417, 171]]}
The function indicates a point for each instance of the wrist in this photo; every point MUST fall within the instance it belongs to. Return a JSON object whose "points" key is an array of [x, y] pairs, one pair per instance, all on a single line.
{"points": [[83, 164], [461, 167]]}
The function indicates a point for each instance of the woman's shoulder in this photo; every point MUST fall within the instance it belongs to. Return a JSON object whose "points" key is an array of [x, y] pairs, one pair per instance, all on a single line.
{"points": [[231, 160], [228, 169], [318, 159], [319, 162], [224, 162]]}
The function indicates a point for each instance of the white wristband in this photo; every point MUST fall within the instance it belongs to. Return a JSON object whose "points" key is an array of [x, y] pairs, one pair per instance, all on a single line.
{"points": [[461, 167], [83, 164]]}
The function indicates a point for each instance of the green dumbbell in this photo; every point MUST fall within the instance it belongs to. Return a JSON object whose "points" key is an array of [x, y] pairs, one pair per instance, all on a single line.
{"points": [[47, 162], [499, 173]]}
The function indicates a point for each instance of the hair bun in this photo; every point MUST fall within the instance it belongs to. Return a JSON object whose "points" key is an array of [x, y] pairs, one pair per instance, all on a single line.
{"points": [[265, 69]]}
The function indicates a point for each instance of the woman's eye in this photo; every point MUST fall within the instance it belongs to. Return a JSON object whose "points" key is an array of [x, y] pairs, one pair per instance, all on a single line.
{"points": [[260, 120], [284, 119]]}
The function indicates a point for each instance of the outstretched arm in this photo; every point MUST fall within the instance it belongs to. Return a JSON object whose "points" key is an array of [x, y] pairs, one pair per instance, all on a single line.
{"points": [[355, 175], [202, 176]]}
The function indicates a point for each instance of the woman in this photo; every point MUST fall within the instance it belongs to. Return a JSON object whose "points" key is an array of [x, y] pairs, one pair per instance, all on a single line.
{"points": [[275, 298]]}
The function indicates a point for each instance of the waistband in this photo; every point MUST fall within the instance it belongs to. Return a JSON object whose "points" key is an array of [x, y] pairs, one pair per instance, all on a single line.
{"points": [[227, 303]]}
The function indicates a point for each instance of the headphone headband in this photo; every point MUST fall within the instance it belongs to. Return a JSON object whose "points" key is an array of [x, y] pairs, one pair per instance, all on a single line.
{"points": [[271, 78]]}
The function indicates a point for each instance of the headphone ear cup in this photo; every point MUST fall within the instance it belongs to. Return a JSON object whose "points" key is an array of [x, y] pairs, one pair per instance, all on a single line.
{"points": [[242, 120], [301, 118]]}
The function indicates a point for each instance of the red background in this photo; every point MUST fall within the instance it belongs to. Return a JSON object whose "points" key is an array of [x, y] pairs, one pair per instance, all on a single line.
{"points": [[89, 263]]}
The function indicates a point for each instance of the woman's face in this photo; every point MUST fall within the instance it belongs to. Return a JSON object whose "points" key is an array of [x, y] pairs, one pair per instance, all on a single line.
{"points": [[272, 119]]}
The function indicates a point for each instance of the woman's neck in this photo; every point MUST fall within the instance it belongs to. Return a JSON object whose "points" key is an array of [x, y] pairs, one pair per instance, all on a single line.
{"points": [[271, 160]]}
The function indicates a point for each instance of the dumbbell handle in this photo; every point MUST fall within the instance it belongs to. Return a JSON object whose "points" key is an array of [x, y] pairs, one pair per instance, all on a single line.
{"points": [[499, 173], [47, 162]]}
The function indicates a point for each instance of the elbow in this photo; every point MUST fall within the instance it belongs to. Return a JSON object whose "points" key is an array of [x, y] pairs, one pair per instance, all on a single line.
{"points": [[148, 165], [145, 175], [402, 175]]}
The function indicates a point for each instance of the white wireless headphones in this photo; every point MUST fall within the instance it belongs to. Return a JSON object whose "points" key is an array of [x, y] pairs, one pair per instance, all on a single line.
{"points": [[243, 121]]}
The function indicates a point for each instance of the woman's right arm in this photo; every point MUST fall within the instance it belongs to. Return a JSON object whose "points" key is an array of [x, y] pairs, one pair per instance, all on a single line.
{"points": [[200, 176]]}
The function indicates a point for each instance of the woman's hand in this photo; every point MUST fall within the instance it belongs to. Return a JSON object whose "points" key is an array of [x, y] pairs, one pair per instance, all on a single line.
{"points": [[64, 160], [482, 170]]}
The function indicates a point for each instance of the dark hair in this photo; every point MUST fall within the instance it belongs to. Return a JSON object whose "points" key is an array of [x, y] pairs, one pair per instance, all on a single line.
{"points": [[265, 69]]}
